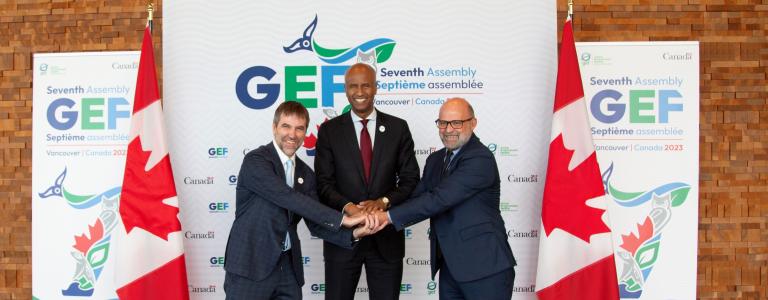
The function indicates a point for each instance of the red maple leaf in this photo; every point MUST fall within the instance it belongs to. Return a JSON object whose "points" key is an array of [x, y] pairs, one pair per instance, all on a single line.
{"points": [[143, 194], [566, 193], [631, 242], [310, 141], [83, 243]]}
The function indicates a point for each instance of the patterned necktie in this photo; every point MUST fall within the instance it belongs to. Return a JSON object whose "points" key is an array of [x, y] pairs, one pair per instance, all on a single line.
{"points": [[447, 162], [366, 150], [289, 181]]}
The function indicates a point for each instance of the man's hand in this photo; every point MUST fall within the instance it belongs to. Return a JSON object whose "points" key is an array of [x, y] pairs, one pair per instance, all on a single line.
{"points": [[352, 221], [373, 225], [351, 209], [366, 229], [373, 205], [382, 218]]}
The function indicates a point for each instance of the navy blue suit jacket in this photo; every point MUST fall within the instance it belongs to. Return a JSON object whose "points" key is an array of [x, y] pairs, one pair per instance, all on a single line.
{"points": [[463, 206], [267, 208]]}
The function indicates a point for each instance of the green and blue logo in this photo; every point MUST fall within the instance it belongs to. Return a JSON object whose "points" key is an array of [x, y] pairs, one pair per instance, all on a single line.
{"points": [[380, 48], [372, 52], [638, 253], [91, 248]]}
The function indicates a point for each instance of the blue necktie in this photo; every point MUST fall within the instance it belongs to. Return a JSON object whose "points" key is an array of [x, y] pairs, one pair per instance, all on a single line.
{"points": [[289, 181], [289, 173]]}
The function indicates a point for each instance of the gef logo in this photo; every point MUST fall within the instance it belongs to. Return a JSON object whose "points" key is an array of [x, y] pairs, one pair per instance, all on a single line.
{"points": [[431, 287], [305, 260], [408, 233], [304, 84], [92, 114], [218, 152], [317, 288], [218, 207], [641, 106], [217, 261], [405, 288], [232, 179]]}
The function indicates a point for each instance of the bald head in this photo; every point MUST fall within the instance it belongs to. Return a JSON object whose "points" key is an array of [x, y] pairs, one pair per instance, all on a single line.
{"points": [[360, 67], [458, 116], [360, 87], [458, 104]]}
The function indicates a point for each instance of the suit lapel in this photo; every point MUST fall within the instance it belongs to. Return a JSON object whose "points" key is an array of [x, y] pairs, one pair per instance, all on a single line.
{"points": [[298, 180], [455, 161], [350, 139], [275, 158], [381, 140], [437, 169]]}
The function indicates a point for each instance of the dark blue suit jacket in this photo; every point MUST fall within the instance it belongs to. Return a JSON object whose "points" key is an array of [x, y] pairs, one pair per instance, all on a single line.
{"points": [[463, 206], [267, 208]]}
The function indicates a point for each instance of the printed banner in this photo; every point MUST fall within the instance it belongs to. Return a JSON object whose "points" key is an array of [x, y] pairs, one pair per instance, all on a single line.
{"points": [[81, 117], [644, 104], [227, 67]]}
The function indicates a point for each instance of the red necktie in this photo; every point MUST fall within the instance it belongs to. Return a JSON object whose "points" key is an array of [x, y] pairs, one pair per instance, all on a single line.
{"points": [[366, 150]]}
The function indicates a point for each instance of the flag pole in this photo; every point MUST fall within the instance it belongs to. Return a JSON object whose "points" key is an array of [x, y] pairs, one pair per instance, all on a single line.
{"points": [[570, 9], [150, 14]]}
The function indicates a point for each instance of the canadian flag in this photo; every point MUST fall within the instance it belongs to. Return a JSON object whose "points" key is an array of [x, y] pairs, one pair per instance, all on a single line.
{"points": [[150, 253], [575, 253]]}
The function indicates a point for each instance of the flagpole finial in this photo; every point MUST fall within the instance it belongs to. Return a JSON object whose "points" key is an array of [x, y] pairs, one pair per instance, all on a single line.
{"points": [[150, 14], [150, 11], [570, 9]]}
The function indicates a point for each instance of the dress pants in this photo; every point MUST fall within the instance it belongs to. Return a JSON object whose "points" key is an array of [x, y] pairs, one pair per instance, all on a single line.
{"points": [[493, 287], [281, 284], [383, 277]]}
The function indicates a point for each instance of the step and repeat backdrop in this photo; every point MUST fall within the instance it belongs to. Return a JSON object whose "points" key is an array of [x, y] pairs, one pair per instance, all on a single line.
{"points": [[227, 67]]}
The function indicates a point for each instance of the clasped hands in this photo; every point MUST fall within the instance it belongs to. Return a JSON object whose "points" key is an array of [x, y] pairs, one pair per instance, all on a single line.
{"points": [[367, 217]]}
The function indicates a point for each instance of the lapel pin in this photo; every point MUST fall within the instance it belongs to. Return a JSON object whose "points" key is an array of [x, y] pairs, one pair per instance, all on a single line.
{"points": [[300, 180], [382, 128]]}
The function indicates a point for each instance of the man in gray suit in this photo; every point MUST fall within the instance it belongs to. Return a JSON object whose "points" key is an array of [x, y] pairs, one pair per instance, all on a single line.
{"points": [[275, 189]]}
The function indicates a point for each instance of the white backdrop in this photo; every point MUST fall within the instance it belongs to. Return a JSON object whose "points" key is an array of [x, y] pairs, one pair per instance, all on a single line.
{"points": [[81, 111], [644, 104], [500, 55]]}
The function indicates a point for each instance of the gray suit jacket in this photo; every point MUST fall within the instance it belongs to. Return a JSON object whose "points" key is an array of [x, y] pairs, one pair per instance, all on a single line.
{"points": [[267, 208]]}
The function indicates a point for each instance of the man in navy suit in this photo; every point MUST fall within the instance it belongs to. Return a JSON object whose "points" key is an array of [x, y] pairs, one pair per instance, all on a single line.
{"points": [[365, 161], [459, 192], [275, 189]]}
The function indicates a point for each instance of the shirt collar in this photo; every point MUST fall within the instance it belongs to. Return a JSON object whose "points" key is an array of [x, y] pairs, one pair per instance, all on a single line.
{"points": [[283, 156], [356, 119]]}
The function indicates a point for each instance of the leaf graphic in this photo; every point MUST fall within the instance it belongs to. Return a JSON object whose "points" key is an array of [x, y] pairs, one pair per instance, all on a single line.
{"points": [[623, 196], [384, 52], [679, 196], [326, 52]]}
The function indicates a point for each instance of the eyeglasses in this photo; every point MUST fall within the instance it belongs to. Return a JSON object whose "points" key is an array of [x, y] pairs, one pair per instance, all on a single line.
{"points": [[456, 124]]}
